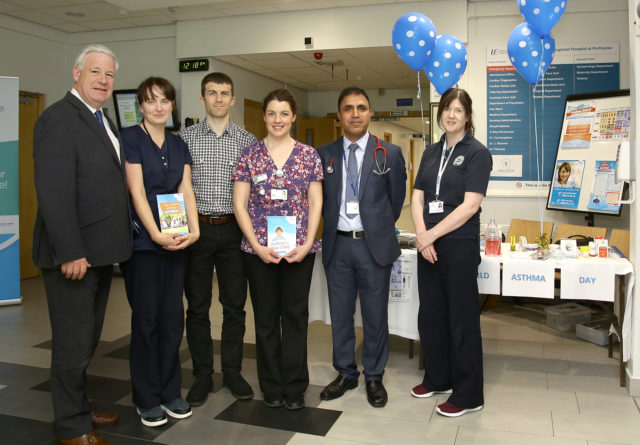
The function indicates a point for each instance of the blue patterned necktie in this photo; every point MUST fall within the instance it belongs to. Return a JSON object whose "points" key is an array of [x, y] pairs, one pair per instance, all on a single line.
{"points": [[352, 179], [98, 114]]}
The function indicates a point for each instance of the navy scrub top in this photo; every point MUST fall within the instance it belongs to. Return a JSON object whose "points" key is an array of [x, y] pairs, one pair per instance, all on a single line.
{"points": [[140, 149], [468, 170]]}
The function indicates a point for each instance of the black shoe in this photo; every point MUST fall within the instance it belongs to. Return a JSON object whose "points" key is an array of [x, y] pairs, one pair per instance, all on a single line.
{"points": [[338, 387], [273, 402], [200, 390], [294, 402], [238, 386], [376, 394]]}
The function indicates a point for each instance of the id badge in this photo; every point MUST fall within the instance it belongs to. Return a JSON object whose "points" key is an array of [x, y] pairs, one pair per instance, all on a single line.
{"points": [[353, 208], [279, 194], [436, 206], [259, 178]]}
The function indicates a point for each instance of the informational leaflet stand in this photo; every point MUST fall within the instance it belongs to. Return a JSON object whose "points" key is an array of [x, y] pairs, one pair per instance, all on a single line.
{"points": [[584, 175]]}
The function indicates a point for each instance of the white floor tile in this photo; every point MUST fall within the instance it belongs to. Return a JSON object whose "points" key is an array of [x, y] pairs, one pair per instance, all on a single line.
{"points": [[607, 405], [528, 398], [590, 427], [478, 436]]}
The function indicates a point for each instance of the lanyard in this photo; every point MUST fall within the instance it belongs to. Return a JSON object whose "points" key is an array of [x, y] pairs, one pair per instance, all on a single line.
{"points": [[354, 187], [443, 165]]}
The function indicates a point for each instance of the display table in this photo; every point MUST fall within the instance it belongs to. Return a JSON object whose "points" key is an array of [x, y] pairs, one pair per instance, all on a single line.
{"points": [[404, 302]]}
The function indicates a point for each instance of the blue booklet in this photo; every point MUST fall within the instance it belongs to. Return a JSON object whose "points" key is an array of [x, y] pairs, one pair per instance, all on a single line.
{"points": [[172, 213], [281, 233]]}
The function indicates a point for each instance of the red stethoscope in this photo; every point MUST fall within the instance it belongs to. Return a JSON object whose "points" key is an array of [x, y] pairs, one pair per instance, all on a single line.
{"points": [[378, 171]]}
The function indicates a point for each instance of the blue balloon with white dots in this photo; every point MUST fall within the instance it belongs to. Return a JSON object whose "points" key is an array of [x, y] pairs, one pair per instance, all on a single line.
{"points": [[413, 38], [542, 15], [447, 62], [529, 53]]}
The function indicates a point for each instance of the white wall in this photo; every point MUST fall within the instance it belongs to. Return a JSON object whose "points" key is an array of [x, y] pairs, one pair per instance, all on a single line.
{"points": [[323, 102], [36, 55]]}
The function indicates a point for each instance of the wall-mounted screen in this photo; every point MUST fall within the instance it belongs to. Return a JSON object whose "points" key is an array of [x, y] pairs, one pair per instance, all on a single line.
{"points": [[128, 114], [584, 174]]}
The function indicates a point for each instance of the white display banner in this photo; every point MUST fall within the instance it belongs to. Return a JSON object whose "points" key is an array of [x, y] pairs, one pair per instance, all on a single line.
{"points": [[521, 278], [591, 281], [489, 276]]}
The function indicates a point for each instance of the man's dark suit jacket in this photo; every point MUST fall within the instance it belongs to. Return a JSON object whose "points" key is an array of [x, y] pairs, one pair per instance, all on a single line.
{"points": [[83, 208], [381, 199]]}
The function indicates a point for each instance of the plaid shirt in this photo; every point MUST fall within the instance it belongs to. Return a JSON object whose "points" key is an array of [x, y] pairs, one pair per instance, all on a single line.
{"points": [[214, 158]]}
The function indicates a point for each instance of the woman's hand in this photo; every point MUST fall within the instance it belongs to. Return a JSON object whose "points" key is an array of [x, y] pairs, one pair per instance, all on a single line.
{"points": [[298, 254], [266, 254], [429, 253], [165, 240], [183, 241]]}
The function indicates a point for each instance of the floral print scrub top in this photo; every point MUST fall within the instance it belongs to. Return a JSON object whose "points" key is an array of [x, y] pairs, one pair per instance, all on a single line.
{"points": [[256, 166]]}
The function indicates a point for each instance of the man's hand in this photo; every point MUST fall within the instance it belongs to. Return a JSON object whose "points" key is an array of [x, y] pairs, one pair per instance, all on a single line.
{"points": [[75, 269]]}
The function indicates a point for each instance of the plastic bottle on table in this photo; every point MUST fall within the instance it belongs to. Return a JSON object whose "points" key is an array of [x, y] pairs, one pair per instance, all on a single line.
{"points": [[492, 239]]}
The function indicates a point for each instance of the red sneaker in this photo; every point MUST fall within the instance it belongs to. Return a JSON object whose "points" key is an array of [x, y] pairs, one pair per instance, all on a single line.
{"points": [[423, 393], [450, 410]]}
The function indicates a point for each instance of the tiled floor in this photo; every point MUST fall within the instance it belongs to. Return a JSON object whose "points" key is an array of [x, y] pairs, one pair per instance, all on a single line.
{"points": [[541, 387]]}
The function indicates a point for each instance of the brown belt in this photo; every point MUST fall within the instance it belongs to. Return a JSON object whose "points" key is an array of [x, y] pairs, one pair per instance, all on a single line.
{"points": [[217, 220]]}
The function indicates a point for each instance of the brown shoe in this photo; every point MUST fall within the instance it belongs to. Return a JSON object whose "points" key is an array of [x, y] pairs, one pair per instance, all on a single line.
{"points": [[87, 439], [102, 419]]}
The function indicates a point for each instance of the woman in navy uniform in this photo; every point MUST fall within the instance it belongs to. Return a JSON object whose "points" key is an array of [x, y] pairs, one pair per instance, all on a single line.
{"points": [[451, 183], [157, 162]]}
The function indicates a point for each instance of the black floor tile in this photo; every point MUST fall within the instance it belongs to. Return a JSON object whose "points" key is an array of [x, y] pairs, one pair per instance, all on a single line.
{"points": [[99, 388], [316, 421], [22, 376], [17, 430]]}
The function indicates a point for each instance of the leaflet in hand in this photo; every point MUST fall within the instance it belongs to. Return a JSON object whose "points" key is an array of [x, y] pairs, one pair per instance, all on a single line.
{"points": [[281, 233], [173, 216]]}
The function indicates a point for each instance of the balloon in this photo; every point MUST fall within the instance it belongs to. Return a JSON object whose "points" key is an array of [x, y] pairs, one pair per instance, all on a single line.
{"points": [[542, 15], [530, 54], [413, 37], [447, 62]]}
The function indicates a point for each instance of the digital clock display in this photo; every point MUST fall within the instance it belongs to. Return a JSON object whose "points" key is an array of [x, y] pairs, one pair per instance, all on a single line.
{"points": [[193, 65]]}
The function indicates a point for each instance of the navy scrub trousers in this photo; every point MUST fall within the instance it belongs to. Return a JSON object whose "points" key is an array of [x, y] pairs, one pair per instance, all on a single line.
{"points": [[154, 284], [449, 321]]}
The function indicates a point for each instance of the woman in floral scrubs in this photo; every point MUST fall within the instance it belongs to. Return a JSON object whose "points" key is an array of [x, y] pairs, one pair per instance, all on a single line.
{"points": [[278, 177]]}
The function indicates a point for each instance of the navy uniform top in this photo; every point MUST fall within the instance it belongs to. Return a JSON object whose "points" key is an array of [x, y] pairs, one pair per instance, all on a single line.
{"points": [[160, 175], [468, 170]]}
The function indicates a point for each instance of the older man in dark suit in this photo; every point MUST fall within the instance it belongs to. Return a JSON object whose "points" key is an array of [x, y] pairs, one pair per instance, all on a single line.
{"points": [[82, 228], [363, 194]]}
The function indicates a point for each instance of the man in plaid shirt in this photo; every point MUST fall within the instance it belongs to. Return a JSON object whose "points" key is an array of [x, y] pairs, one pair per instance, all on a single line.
{"points": [[215, 145]]}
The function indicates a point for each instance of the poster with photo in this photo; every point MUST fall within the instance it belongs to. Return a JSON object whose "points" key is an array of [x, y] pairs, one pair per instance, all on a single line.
{"points": [[281, 233], [606, 192], [567, 181]]}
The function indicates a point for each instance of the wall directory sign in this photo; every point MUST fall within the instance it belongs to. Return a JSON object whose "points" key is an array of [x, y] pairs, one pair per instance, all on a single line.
{"points": [[9, 227], [512, 122], [594, 126]]}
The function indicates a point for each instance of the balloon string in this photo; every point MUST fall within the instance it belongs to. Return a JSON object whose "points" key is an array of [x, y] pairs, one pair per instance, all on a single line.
{"points": [[540, 170], [419, 97]]}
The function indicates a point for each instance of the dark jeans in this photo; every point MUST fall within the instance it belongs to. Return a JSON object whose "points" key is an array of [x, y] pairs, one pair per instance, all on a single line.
{"points": [[280, 298], [219, 247], [449, 321], [76, 312], [154, 284]]}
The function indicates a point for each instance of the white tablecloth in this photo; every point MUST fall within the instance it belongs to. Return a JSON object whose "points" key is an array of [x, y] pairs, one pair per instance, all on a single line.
{"points": [[403, 312]]}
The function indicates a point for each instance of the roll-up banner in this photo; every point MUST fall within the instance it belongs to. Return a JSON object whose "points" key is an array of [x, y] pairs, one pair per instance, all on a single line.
{"points": [[9, 233]]}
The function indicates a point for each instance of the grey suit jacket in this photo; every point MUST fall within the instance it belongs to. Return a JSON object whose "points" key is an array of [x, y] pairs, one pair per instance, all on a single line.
{"points": [[381, 198], [83, 208]]}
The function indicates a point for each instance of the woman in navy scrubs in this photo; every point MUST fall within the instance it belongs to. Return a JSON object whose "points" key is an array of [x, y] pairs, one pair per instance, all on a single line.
{"points": [[449, 188], [157, 162]]}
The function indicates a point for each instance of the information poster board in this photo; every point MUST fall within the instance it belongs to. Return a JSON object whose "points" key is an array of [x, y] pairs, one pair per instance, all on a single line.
{"points": [[593, 127], [512, 122], [9, 227]]}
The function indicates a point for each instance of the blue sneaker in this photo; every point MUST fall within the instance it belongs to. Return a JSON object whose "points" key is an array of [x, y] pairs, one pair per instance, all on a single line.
{"points": [[177, 408], [152, 416]]}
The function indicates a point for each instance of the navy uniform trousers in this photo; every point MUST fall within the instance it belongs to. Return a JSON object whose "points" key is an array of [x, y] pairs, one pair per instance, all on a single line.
{"points": [[449, 321], [154, 284]]}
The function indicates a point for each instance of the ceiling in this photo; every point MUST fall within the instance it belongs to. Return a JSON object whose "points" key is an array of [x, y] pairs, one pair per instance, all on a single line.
{"points": [[369, 68]]}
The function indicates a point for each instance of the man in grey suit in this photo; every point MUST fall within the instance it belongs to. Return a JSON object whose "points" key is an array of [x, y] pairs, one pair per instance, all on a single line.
{"points": [[82, 228], [363, 194]]}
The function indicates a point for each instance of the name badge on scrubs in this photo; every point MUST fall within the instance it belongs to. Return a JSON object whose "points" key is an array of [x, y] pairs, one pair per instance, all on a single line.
{"points": [[279, 194], [259, 178], [353, 208], [436, 206]]}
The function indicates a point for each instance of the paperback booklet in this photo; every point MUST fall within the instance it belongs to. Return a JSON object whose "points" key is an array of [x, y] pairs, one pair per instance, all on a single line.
{"points": [[281, 233], [172, 213]]}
